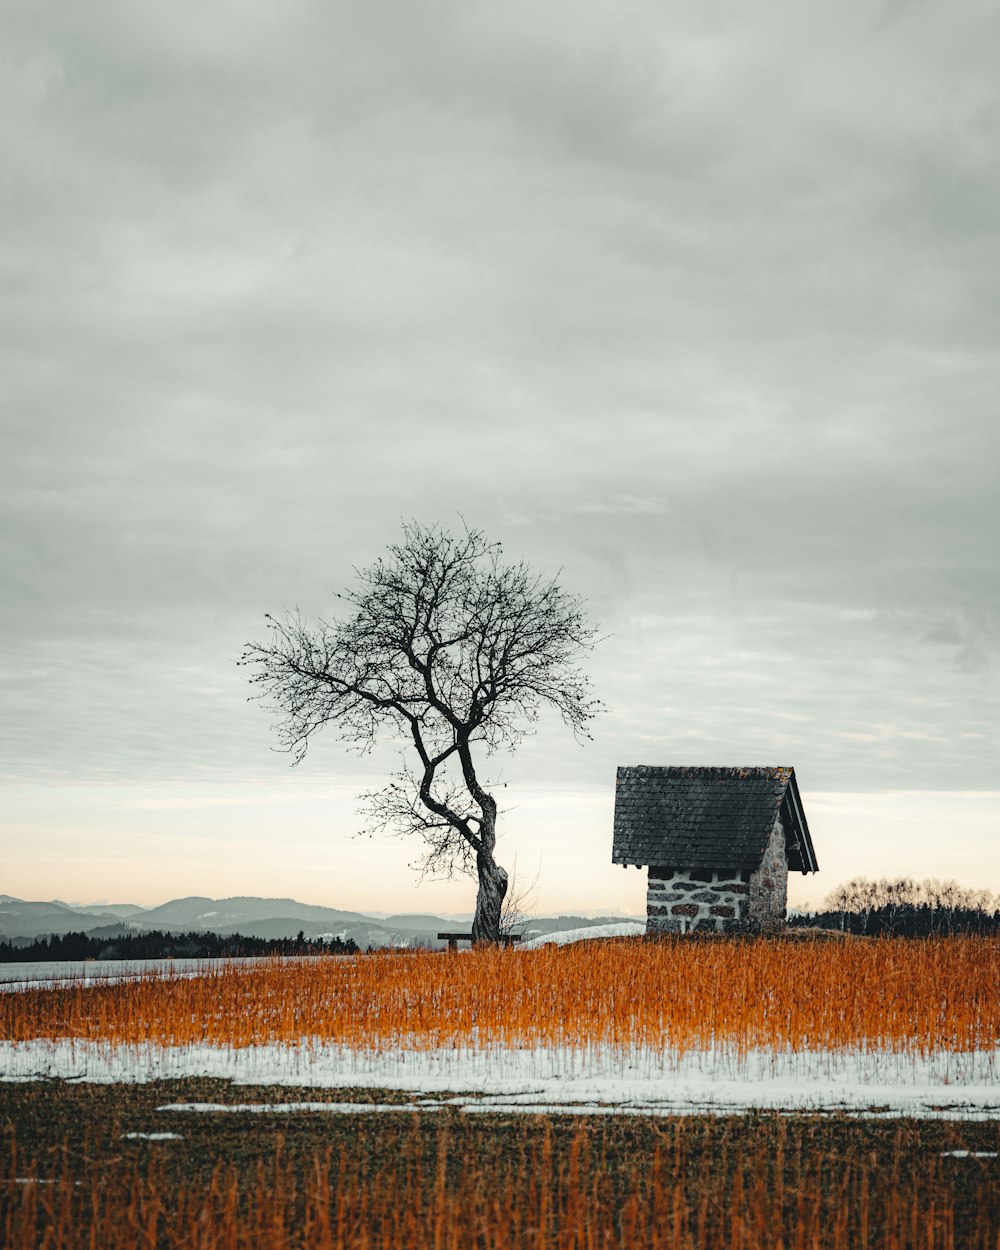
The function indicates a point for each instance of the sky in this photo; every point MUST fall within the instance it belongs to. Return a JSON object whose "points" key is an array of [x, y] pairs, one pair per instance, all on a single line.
{"points": [[696, 305]]}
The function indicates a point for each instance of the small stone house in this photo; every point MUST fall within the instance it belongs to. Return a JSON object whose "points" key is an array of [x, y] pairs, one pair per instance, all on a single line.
{"points": [[719, 844]]}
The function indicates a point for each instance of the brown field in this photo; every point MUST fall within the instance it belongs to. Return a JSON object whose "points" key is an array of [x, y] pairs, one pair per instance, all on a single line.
{"points": [[416, 1181], [913, 996]]}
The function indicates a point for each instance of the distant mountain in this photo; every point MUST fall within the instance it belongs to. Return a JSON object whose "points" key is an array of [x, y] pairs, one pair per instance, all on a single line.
{"points": [[19, 918], [430, 924], [221, 914], [124, 910], [252, 917], [21, 907]]}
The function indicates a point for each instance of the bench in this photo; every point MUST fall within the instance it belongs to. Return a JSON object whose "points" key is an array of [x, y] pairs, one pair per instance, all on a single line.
{"points": [[453, 939]]}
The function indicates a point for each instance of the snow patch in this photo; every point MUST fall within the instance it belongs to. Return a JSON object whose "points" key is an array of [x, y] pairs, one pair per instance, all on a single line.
{"points": [[635, 1080], [70, 973], [563, 937], [293, 1108]]}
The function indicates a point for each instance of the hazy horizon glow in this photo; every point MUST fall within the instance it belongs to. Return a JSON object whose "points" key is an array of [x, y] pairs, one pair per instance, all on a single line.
{"points": [[698, 304], [231, 843]]}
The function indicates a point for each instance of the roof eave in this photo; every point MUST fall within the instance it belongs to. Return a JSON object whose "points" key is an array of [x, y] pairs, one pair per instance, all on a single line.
{"points": [[807, 851]]}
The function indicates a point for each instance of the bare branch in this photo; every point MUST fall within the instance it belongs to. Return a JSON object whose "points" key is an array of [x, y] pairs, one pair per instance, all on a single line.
{"points": [[445, 646], [515, 916]]}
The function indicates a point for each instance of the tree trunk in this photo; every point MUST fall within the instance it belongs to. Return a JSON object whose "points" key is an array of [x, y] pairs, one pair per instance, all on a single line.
{"points": [[489, 900]]}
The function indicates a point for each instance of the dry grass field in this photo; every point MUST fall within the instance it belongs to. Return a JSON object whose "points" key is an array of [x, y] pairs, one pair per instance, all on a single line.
{"points": [[414, 1180], [81, 1169], [895, 994]]}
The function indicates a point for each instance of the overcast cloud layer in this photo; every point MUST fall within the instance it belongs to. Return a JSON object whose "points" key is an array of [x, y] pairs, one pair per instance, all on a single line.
{"points": [[698, 302]]}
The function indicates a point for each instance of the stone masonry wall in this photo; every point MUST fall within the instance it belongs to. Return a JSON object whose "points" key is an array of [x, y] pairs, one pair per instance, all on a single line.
{"points": [[689, 900], [693, 900], [769, 883]]}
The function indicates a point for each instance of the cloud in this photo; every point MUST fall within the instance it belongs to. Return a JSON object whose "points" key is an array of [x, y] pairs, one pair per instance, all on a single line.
{"points": [[629, 505], [696, 304]]}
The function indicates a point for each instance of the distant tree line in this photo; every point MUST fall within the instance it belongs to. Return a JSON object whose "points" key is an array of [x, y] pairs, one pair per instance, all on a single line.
{"points": [[906, 908], [156, 944]]}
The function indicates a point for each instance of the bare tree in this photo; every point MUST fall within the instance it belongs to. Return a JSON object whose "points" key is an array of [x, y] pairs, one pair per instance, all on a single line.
{"points": [[514, 915], [840, 900], [454, 651], [902, 905], [859, 897]]}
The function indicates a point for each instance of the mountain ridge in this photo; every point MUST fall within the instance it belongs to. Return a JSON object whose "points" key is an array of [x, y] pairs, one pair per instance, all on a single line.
{"points": [[251, 916]]}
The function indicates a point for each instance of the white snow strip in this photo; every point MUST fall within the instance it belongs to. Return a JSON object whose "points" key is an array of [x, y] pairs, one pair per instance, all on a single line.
{"points": [[152, 1137], [69, 973], [563, 937], [968, 1154], [38, 1180], [283, 1108], [646, 1081]]}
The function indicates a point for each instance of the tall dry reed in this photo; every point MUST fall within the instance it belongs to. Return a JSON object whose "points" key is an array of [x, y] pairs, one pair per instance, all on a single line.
{"points": [[745, 1188], [901, 995]]}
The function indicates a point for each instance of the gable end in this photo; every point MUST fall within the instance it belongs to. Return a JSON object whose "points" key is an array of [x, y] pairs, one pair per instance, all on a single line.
{"points": [[707, 818]]}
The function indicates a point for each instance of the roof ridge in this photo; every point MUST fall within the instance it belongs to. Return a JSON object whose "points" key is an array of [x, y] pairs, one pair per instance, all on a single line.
{"points": [[730, 770], [707, 815]]}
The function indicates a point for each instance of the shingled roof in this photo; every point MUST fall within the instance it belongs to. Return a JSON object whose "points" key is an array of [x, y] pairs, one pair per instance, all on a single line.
{"points": [[707, 817]]}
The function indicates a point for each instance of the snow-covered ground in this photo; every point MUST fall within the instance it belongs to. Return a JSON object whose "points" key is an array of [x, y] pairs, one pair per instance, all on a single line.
{"points": [[595, 1080], [22, 976], [562, 937]]}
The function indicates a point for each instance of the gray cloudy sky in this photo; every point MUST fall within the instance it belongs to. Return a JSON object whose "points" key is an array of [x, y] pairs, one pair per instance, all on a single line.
{"points": [[696, 301]]}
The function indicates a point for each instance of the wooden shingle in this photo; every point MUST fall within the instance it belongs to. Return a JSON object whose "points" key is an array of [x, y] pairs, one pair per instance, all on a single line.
{"points": [[705, 818]]}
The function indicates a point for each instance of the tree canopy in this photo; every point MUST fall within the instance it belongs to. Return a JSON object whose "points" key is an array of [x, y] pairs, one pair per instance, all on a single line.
{"points": [[455, 652]]}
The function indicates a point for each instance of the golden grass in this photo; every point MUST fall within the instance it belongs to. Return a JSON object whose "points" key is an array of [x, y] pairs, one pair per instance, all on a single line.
{"points": [[901, 995], [758, 1187]]}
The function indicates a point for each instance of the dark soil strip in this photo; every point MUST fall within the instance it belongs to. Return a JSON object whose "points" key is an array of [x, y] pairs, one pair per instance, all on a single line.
{"points": [[720, 1180]]}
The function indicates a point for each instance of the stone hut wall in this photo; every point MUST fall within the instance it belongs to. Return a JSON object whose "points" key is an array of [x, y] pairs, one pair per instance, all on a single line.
{"points": [[696, 900], [769, 883]]}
